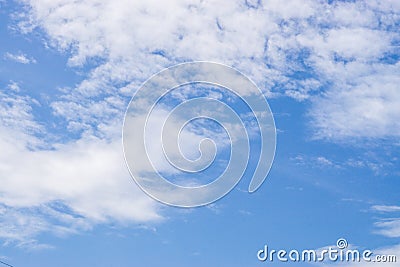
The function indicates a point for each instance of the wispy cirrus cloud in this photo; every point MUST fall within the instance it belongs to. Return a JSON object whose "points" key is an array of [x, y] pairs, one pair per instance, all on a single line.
{"points": [[19, 58], [388, 226], [385, 208]]}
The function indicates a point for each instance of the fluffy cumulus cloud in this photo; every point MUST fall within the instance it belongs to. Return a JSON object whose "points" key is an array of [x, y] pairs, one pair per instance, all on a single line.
{"points": [[342, 57], [60, 187]]}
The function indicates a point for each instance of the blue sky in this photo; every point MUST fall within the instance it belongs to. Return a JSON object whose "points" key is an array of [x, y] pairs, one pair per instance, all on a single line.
{"points": [[329, 69]]}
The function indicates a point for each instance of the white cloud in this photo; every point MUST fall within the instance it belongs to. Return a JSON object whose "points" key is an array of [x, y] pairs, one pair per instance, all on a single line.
{"points": [[389, 227], [369, 108], [16, 113], [20, 58], [14, 86], [298, 9], [87, 178], [324, 161], [88, 175], [385, 208], [343, 45], [315, 161], [359, 44], [335, 55]]}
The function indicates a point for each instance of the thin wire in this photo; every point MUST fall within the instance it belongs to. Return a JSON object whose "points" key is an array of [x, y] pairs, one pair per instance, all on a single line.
{"points": [[6, 264]]}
